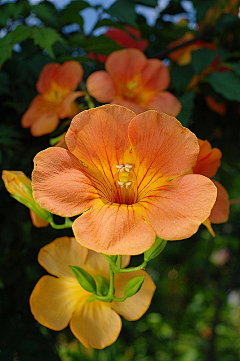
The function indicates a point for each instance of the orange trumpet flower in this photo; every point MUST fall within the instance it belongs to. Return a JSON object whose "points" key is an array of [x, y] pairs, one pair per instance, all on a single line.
{"points": [[207, 164], [125, 175], [135, 82], [56, 97]]}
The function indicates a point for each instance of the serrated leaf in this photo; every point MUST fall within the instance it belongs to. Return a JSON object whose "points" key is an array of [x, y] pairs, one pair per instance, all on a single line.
{"points": [[226, 83], [133, 286], [46, 38], [202, 58], [85, 280], [124, 11]]}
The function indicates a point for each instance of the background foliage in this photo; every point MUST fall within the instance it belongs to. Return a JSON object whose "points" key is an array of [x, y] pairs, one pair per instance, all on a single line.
{"points": [[195, 312]]}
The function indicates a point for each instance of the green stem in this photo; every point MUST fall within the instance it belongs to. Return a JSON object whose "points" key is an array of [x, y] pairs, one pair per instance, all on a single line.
{"points": [[89, 101], [133, 269], [67, 224]]}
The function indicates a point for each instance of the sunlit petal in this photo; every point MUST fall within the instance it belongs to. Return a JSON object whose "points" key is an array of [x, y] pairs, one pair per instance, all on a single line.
{"points": [[208, 160], [57, 256], [133, 307], [59, 184], [173, 211], [113, 229], [98, 138], [54, 300], [157, 155], [96, 324], [68, 107]]}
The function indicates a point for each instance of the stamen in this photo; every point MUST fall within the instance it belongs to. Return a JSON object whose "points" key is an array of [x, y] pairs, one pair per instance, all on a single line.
{"points": [[119, 166], [127, 184]]}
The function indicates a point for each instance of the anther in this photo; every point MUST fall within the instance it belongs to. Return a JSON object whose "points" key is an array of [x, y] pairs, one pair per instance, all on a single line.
{"points": [[121, 184], [127, 184]]}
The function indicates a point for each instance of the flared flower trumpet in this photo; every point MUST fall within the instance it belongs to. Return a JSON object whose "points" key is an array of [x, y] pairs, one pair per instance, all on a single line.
{"points": [[57, 301], [208, 162], [124, 174], [135, 82], [56, 97]]}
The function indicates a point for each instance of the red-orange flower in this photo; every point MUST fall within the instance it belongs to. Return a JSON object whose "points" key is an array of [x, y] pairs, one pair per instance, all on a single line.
{"points": [[207, 164], [183, 56], [125, 174], [56, 97], [135, 82], [131, 38], [217, 107], [58, 301]]}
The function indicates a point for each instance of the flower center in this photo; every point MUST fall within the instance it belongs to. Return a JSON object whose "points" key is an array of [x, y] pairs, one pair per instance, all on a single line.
{"points": [[125, 184]]}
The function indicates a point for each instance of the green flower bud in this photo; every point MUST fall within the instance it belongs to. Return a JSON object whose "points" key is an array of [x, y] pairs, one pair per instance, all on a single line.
{"points": [[155, 250], [133, 286], [85, 280]]}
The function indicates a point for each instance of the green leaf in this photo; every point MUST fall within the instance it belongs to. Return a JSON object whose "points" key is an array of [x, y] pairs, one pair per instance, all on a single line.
{"points": [[124, 11], [187, 101], [181, 76], [155, 250], [100, 45], [226, 83], [236, 67], [21, 33], [133, 286], [85, 280], [202, 58], [71, 14], [102, 285], [46, 38]]}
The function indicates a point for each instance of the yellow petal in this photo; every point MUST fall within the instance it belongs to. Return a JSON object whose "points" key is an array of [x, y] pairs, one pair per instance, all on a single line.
{"points": [[96, 324], [133, 307], [54, 300], [57, 256]]}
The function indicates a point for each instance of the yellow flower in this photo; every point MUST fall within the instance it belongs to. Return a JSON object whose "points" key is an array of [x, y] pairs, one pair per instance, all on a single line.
{"points": [[58, 301]]}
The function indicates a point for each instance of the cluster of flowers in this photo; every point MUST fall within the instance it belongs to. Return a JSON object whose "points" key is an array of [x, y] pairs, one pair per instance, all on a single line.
{"points": [[131, 175]]}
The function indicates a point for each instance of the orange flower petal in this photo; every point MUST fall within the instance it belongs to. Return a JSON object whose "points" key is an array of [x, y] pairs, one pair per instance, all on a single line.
{"points": [[208, 160], [99, 138], [157, 155], [34, 111], [220, 211], [124, 64], [45, 124], [54, 300], [122, 231], [96, 324], [59, 184], [137, 109], [101, 86], [69, 74], [165, 102], [47, 75], [155, 75], [57, 256], [68, 107], [133, 307], [177, 209]]}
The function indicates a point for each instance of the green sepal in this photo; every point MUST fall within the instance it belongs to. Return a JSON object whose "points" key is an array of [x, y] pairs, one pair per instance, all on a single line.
{"points": [[102, 285], [157, 247], [133, 286], [85, 280], [34, 206], [92, 298]]}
